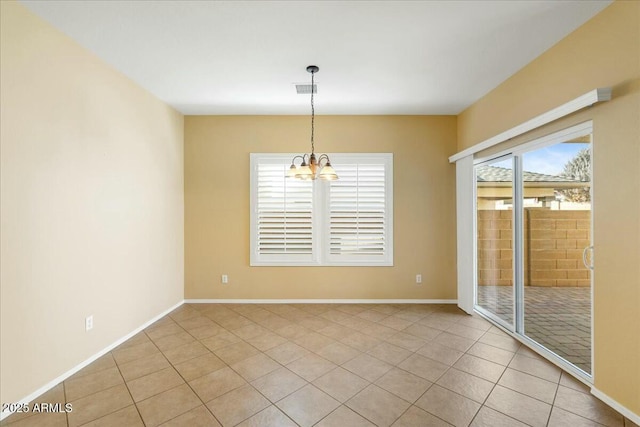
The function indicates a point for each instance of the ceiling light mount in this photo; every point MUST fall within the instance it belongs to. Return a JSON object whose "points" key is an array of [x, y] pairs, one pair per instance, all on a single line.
{"points": [[312, 167]]}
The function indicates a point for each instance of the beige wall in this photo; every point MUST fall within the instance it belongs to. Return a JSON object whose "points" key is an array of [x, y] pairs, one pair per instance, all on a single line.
{"points": [[217, 206], [603, 52], [92, 204]]}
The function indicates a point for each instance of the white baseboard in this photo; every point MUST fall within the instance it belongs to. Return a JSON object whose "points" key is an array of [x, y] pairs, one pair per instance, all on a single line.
{"points": [[321, 301], [615, 405], [88, 361]]}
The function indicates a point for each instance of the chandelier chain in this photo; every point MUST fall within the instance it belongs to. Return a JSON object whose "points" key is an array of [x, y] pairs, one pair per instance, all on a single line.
{"points": [[313, 113]]}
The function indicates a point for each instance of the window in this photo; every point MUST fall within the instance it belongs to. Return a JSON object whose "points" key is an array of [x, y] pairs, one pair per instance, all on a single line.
{"points": [[343, 222]]}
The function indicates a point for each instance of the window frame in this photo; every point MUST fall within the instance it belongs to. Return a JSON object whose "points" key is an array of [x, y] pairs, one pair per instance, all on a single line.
{"points": [[321, 255]]}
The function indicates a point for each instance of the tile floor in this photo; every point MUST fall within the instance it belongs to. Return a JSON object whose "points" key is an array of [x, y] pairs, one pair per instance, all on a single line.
{"points": [[557, 318], [321, 365]]}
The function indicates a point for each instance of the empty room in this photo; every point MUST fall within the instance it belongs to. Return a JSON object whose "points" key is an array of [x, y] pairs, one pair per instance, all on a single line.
{"points": [[320, 213]]}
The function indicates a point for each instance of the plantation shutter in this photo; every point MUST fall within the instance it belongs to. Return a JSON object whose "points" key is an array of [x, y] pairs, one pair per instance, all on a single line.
{"points": [[284, 215], [359, 213], [315, 223]]}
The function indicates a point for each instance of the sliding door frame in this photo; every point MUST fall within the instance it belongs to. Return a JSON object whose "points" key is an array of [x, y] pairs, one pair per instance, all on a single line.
{"points": [[517, 330], [496, 319]]}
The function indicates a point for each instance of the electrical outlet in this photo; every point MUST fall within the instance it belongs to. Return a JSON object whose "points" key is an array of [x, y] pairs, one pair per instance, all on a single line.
{"points": [[418, 278], [225, 279], [88, 323]]}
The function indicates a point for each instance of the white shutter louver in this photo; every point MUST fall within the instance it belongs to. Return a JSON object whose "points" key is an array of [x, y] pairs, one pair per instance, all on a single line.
{"points": [[357, 212], [284, 212]]}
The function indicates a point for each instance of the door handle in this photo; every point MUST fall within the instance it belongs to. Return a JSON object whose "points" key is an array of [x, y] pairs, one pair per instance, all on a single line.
{"points": [[584, 257]]}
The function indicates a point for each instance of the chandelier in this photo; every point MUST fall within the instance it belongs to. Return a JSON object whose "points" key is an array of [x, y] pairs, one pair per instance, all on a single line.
{"points": [[312, 167]]}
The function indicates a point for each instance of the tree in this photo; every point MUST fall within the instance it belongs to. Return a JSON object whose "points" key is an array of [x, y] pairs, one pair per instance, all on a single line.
{"points": [[578, 168]]}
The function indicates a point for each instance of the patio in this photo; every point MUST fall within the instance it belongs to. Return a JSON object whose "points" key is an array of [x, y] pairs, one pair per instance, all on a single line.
{"points": [[558, 318]]}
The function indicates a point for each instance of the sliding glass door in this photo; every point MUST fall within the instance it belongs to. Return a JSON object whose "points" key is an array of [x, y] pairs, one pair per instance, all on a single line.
{"points": [[494, 230], [557, 233], [533, 244]]}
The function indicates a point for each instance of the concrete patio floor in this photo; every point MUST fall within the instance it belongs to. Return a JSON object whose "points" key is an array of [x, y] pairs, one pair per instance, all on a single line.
{"points": [[557, 318]]}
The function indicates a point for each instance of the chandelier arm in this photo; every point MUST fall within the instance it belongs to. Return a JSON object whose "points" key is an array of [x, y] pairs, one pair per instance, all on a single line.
{"points": [[324, 157], [296, 157]]}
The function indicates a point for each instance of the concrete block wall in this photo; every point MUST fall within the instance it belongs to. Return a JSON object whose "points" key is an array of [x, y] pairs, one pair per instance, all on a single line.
{"points": [[495, 247], [554, 242], [553, 246]]}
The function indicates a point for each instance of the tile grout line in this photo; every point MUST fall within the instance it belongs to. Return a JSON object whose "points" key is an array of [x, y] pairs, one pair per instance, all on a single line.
{"points": [[553, 403], [495, 384], [187, 382], [129, 390], [171, 365], [64, 393]]}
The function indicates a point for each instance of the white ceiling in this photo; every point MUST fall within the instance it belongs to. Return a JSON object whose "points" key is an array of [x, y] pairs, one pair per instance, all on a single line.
{"points": [[375, 57]]}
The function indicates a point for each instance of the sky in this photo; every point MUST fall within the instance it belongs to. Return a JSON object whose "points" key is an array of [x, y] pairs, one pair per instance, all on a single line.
{"points": [[551, 160], [548, 160]]}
